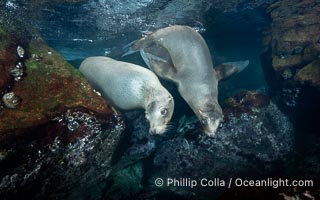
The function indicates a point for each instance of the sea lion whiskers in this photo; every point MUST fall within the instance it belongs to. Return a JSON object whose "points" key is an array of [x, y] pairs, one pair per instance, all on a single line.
{"points": [[210, 118], [171, 126]]}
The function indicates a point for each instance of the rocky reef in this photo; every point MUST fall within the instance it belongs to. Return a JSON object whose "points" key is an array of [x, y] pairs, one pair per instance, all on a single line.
{"points": [[309, 74], [294, 34], [53, 125], [292, 48], [291, 65], [256, 140], [245, 102]]}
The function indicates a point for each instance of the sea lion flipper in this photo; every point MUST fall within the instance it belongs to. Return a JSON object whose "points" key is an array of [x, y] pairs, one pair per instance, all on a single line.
{"points": [[158, 60], [225, 70], [133, 47], [151, 59]]}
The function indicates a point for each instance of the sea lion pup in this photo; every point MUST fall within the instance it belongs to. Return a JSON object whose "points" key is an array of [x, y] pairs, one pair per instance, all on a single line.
{"points": [[180, 54], [130, 86]]}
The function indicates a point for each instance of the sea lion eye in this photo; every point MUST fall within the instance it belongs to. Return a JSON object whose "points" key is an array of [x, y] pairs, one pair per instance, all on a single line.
{"points": [[164, 112]]}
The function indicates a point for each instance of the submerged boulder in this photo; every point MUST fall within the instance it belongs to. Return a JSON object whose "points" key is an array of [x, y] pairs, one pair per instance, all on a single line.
{"points": [[128, 172], [291, 55], [245, 102], [251, 145], [293, 36], [292, 46], [255, 140], [50, 85], [61, 134], [310, 74]]}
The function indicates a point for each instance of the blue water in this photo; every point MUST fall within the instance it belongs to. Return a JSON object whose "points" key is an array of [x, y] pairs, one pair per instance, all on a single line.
{"points": [[228, 38]]}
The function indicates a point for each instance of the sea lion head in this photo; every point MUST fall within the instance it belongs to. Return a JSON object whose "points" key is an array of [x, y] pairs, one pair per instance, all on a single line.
{"points": [[210, 118], [159, 113]]}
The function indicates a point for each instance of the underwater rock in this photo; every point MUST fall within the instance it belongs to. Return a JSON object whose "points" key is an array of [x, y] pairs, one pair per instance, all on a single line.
{"points": [[292, 39], [51, 85], [281, 193], [310, 74], [291, 54], [251, 145], [248, 102], [62, 134], [186, 123], [3, 155], [75, 159], [4, 79], [255, 140], [8, 58], [291, 96], [283, 62], [128, 171], [308, 162], [286, 74], [141, 143], [126, 182]]}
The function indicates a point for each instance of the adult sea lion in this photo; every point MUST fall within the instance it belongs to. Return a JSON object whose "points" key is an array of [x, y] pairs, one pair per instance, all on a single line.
{"points": [[180, 54], [130, 86]]}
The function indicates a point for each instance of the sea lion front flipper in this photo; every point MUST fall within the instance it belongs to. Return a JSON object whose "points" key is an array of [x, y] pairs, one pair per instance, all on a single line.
{"points": [[225, 70], [158, 60]]}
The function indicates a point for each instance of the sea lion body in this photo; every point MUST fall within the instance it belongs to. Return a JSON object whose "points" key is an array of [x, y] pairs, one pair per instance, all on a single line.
{"points": [[180, 54], [130, 86]]}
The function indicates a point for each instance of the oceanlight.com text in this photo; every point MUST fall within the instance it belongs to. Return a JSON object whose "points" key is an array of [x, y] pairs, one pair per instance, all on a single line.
{"points": [[231, 182]]}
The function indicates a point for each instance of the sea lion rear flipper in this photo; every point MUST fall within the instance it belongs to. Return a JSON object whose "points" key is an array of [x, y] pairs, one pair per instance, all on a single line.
{"points": [[225, 70], [132, 47]]}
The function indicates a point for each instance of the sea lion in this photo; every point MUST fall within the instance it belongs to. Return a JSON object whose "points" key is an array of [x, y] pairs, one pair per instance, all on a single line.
{"points": [[130, 86], [181, 55]]}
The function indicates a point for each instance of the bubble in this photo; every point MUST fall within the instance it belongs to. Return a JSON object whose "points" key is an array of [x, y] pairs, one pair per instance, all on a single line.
{"points": [[11, 5]]}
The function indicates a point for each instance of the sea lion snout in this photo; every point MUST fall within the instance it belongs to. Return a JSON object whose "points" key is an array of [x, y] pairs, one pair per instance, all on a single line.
{"points": [[210, 121], [158, 130], [159, 113], [211, 128]]}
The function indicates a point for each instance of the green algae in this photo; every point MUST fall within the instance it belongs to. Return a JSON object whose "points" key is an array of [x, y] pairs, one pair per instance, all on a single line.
{"points": [[4, 37], [50, 84], [76, 72], [32, 65]]}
